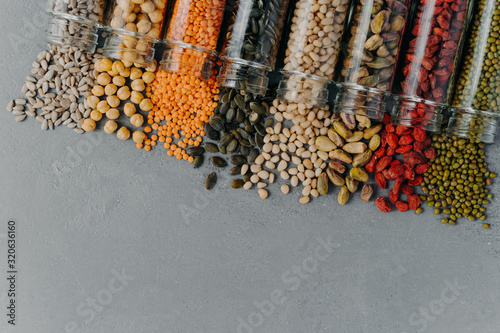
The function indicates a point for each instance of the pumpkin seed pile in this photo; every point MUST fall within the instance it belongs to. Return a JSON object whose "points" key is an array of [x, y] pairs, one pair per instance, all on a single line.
{"points": [[237, 128], [455, 184]]}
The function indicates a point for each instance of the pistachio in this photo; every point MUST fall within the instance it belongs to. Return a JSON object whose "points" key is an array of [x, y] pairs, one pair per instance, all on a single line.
{"points": [[371, 131], [397, 23], [356, 136], [355, 147], [378, 22], [323, 143], [364, 121], [338, 167], [341, 156], [369, 81], [349, 120], [366, 192], [334, 177], [359, 174], [374, 142], [335, 137], [352, 184], [374, 42], [322, 185], [342, 129], [343, 195], [383, 51], [362, 159], [380, 63]]}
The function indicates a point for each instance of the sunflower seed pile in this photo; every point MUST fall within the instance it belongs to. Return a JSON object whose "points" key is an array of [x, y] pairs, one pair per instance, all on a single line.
{"points": [[55, 93]]}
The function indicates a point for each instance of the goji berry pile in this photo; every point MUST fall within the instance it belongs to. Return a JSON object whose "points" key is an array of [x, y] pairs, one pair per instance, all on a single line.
{"points": [[430, 59], [412, 146]]}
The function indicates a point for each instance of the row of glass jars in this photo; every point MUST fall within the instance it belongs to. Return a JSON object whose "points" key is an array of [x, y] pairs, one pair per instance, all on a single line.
{"points": [[372, 44]]}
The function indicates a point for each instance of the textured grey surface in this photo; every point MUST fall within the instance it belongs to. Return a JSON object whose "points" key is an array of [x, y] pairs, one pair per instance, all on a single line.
{"points": [[200, 263]]}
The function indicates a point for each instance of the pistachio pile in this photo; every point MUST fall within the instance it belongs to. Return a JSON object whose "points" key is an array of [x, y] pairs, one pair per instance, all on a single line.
{"points": [[456, 182]]}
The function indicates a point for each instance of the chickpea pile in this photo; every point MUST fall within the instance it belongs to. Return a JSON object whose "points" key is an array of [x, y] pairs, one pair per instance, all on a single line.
{"points": [[120, 84]]}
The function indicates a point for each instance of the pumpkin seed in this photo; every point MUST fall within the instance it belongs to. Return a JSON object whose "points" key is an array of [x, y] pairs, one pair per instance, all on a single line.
{"points": [[210, 181], [218, 162], [237, 183], [198, 161], [210, 147]]}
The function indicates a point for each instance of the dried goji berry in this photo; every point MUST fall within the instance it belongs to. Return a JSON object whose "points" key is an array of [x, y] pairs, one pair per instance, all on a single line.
{"points": [[413, 201], [380, 180], [414, 158], [396, 171], [387, 119], [406, 189], [421, 168], [383, 205], [419, 134], [393, 196], [405, 140], [400, 129], [397, 184], [383, 163], [404, 149], [416, 181], [409, 172], [427, 141], [402, 206], [418, 146], [380, 152], [395, 162], [430, 153], [391, 151], [392, 140], [370, 167]]}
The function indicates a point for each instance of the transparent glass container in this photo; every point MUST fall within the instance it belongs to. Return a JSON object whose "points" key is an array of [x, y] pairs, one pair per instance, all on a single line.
{"points": [[476, 103], [192, 35], [134, 27], [76, 23], [430, 62], [313, 50], [251, 44], [369, 66]]}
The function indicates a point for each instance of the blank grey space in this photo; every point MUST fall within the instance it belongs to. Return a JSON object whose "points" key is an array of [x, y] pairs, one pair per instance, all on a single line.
{"points": [[198, 261]]}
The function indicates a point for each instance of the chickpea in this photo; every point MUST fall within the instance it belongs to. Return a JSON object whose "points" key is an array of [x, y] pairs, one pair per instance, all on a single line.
{"points": [[110, 126], [143, 26], [105, 65], [126, 71], [137, 85], [148, 7], [135, 73], [88, 125], [92, 101], [127, 64], [136, 97], [146, 104], [123, 93], [152, 67], [103, 107], [130, 27], [137, 120], [148, 77], [98, 90], [95, 115], [123, 133], [130, 42], [113, 73], [118, 66], [119, 81], [110, 89], [129, 109], [103, 79], [138, 136], [156, 16], [138, 2], [113, 114], [113, 101]]}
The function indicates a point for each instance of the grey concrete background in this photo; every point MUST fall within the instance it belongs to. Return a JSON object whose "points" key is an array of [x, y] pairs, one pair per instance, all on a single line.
{"points": [[198, 262]]}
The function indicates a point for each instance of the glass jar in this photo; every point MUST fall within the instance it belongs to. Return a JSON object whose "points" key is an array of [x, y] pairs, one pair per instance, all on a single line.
{"points": [[134, 26], [313, 50], [430, 62], [375, 34], [251, 44], [192, 35], [476, 103], [76, 23]]}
